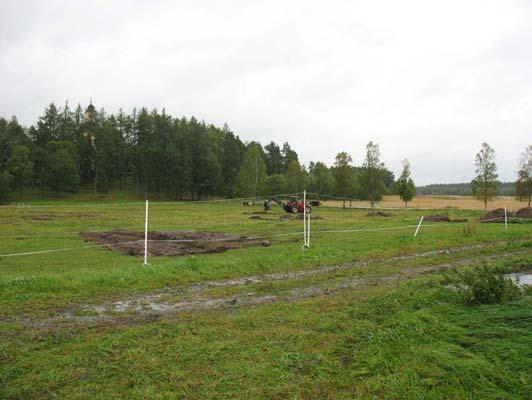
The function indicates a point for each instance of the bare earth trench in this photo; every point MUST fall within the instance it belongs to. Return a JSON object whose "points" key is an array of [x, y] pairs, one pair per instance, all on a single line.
{"points": [[162, 302]]}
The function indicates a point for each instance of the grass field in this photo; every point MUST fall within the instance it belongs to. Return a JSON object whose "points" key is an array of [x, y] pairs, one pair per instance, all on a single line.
{"points": [[363, 313]]}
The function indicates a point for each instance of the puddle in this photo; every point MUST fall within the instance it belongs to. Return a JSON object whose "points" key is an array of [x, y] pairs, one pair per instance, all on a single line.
{"points": [[521, 278]]}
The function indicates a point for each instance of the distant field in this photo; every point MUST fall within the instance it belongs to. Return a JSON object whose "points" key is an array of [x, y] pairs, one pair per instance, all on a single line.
{"points": [[440, 202], [363, 313]]}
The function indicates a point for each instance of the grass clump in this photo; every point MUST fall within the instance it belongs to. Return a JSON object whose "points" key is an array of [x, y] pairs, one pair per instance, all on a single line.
{"points": [[484, 285], [470, 229]]}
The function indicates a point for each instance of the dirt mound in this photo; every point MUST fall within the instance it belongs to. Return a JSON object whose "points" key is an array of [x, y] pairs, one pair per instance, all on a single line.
{"points": [[379, 214], [525, 212], [437, 218], [496, 215], [460, 220], [179, 243]]}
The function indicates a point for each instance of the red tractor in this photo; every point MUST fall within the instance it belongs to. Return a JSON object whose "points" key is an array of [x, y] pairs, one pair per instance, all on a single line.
{"points": [[293, 205]]}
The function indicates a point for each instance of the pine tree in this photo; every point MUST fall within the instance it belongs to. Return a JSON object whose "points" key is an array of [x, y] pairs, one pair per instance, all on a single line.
{"points": [[405, 185], [274, 159], [485, 184], [289, 155], [62, 174]]}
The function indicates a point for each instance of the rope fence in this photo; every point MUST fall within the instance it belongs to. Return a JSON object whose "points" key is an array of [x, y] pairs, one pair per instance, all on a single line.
{"points": [[146, 240]]}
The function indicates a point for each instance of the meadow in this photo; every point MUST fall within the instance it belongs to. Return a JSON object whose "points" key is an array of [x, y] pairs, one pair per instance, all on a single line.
{"points": [[365, 312]]}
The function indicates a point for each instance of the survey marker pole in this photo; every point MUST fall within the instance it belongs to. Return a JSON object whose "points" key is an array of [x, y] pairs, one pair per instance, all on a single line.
{"points": [[305, 227], [418, 226], [146, 237], [505, 218]]}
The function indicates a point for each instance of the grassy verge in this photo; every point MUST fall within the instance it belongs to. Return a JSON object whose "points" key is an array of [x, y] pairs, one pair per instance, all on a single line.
{"points": [[415, 339]]}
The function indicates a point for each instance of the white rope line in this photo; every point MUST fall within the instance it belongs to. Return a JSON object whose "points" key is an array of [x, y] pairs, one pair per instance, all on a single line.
{"points": [[244, 237], [71, 205], [62, 234], [256, 198], [68, 248]]}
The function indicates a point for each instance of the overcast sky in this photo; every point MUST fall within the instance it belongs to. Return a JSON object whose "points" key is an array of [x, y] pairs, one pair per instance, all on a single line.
{"points": [[427, 80]]}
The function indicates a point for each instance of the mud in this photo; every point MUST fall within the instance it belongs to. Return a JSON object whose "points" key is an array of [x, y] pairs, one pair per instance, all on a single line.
{"points": [[155, 306], [521, 278], [180, 243]]}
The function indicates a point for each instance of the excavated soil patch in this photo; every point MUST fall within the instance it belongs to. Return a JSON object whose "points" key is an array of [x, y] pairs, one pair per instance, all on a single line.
{"points": [[496, 215], [180, 243], [437, 218], [525, 212]]}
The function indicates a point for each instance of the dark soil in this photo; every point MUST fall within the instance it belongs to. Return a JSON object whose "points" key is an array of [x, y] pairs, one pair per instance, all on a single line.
{"points": [[437, 218], [496, 215], [180, 243], [379, 214], [525, 212]]}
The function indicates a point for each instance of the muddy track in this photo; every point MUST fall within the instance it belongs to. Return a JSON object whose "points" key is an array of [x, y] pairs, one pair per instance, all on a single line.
{"points": [[197, 288], [154, 306]]}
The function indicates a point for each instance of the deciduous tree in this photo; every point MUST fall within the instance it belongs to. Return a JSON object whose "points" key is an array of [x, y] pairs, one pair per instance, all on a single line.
{"points": [[523, 186], [405, 184], [372, 182], [343, 176], [251, 179], [485, 184]]}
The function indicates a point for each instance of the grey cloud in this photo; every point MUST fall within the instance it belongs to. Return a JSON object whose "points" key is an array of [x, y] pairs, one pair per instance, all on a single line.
{"points": [[428, 81]]}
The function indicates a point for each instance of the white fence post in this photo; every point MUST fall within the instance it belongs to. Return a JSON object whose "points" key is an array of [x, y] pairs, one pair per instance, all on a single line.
{"points": [[418, 226], [308, 230], [306, 224], [146, 237], [505, 218]]}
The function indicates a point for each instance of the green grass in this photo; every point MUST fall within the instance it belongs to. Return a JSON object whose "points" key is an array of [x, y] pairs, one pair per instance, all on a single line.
{"points": [[414, 339]]}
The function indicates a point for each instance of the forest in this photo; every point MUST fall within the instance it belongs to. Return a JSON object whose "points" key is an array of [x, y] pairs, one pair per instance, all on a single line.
{"points": [[154, 154]]}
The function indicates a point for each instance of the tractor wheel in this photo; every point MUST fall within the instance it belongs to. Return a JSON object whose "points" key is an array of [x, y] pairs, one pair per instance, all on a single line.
{"points": [[295, 210], [308, 210]]}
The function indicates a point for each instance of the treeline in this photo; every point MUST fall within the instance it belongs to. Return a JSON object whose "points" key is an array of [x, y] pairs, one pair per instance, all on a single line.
{"points": [[155, 154], [462, 189]]}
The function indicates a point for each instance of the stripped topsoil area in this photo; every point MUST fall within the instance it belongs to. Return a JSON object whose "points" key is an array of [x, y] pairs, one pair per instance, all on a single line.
{"points": [[179, 243]]}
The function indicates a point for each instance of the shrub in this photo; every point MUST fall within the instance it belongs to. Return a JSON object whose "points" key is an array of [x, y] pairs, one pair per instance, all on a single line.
{"points": [[485, 285]]}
